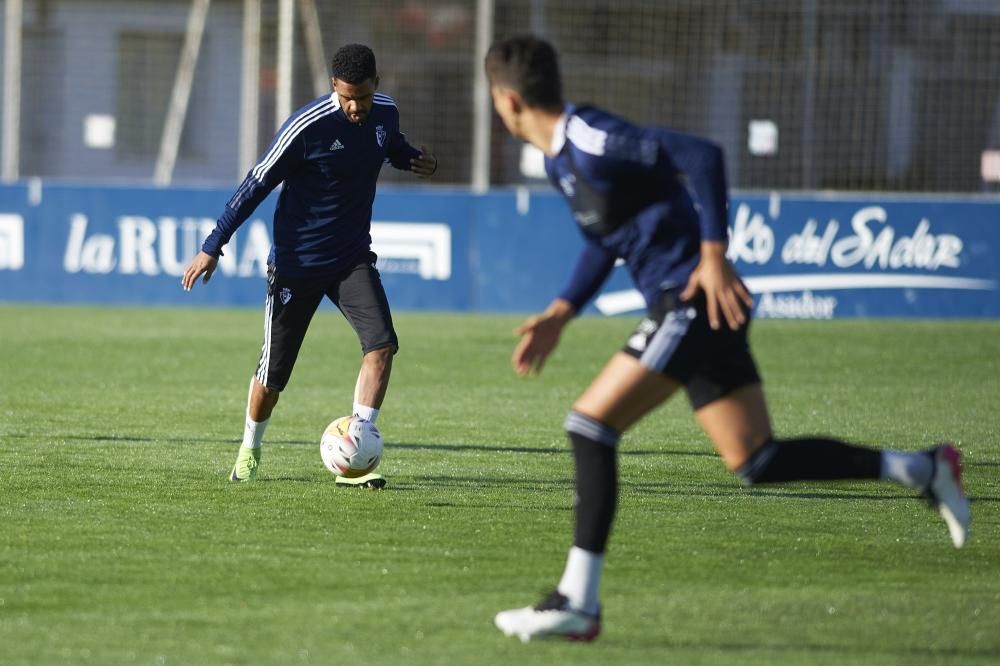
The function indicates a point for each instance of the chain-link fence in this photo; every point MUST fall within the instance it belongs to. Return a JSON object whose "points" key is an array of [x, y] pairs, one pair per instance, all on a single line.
{"points": [[803, 94]]}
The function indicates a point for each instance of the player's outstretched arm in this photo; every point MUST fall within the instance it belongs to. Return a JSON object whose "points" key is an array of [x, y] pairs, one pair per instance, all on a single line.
{"points": [[202, 264], [425, 164], [725, 293], [539, 336]]}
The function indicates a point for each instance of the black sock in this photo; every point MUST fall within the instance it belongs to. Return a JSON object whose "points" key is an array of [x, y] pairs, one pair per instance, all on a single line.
{"points": [[596, 492], [810, 459]]}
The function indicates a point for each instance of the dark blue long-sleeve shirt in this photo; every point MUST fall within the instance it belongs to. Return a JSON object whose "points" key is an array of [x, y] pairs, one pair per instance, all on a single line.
{"points": [[646, 195], [329, 166]]}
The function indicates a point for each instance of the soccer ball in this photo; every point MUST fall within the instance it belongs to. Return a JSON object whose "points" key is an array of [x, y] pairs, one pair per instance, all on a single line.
{"points": [[351, 447]]}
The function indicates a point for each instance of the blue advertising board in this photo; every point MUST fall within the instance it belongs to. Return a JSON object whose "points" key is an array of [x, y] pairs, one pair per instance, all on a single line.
{"points": [[820, 256], [854, 256], [804, 255]]}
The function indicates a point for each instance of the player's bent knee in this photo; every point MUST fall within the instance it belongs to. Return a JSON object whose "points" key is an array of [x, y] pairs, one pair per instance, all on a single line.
{"points": [[578, 423], [270, 392], [381, 354], [736, 457], [753, 469], [384, 350], [271, 396]]}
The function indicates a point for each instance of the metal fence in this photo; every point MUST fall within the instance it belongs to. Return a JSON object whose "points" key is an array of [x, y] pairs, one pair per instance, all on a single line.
{"points": [[887, 95]]}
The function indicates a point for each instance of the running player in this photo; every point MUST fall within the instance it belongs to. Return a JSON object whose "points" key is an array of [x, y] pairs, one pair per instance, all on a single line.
{"points": [[657, 199], [328, 154]]}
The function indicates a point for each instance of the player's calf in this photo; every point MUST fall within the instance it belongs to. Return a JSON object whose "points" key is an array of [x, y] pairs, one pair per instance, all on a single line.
{"points": [[936, 473], [809, 459]]}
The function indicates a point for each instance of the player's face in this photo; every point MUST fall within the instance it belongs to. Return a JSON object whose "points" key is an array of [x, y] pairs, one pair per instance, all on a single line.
{"points": [[356, 99]]}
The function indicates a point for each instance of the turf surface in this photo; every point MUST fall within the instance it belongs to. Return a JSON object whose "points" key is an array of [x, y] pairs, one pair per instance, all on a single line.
{"points": [[123, 542]]}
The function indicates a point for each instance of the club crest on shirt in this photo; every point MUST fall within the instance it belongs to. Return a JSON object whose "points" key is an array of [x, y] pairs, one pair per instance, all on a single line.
{"points": [[285, 296], [380, 134]]}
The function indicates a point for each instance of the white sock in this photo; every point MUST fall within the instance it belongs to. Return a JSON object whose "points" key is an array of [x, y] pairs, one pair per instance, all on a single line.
{"points": [[253, 432], [581, 580], [366, 412], [910, 469]]}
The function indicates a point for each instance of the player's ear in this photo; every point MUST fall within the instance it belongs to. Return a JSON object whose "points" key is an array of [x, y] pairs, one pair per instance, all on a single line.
{"points": [[375, 85], [501, 98], [515, 101]]}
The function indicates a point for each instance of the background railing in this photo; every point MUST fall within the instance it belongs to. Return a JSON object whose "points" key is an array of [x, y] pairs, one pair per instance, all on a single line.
{"points": [[861, 95]]}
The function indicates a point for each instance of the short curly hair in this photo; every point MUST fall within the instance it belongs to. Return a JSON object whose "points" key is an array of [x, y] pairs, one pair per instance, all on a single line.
{"points": [[353, 63]]}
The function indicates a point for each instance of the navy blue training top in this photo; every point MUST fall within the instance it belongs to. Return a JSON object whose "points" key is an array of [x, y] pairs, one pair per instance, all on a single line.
{"points": [[329, 165], [643, 194]]}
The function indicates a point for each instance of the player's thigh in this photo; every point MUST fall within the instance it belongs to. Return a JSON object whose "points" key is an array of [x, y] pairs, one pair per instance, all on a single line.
{"points": [[725, 392], [623, 392], [288, 309], [651, 367], [737, 423], [361, 298]]}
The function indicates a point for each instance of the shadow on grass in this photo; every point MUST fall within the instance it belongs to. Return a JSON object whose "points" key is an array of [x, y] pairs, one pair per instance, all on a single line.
{"points": [[665, 488], [984, 463], [825, 491], [128, 438], [865, 653], [501, 448], [479, 448]]}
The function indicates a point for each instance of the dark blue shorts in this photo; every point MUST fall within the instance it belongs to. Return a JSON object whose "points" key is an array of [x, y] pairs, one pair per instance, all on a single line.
{"points": [[676, 340], [292, 302]]}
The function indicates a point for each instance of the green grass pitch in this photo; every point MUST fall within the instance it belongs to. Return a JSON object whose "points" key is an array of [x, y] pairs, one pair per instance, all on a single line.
{"points": [[123, 542]]}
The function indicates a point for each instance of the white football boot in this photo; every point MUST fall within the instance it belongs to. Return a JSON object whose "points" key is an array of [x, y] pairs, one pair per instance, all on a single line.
{"points": [[551, 618], [945, 492]]}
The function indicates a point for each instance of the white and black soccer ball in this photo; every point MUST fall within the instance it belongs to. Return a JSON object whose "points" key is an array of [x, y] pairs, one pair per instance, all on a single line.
{"points": [[351, 447]]}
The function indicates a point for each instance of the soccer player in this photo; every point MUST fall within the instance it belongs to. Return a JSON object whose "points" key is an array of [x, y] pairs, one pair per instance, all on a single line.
{"points": [[657, 200], [328, 154]]}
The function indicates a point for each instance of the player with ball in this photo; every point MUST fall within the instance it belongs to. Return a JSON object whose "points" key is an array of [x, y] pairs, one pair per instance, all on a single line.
{"points": [[328, 155]]}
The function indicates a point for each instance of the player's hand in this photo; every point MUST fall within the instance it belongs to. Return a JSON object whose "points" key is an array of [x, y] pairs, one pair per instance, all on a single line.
{"points": [[202, 264], [539, 336], [425, 165], [725, 293]]}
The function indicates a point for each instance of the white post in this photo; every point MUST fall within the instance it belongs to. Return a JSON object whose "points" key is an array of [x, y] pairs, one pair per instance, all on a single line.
{"points": [[10, 134], [809, 31], [286, 32], [249, 87], [180, 96], [314, 47], [482, 107]]}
